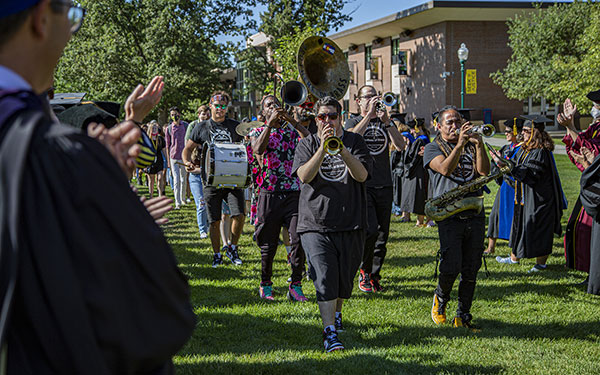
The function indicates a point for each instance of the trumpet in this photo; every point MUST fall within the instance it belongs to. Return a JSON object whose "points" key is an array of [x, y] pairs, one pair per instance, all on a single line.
{"points": [[486, 130], [388, 99], [333, 145]]}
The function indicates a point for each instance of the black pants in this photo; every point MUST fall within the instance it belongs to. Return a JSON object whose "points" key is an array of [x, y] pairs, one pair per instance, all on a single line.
{"points": [[274, 210], [379, 211], [461, 245], [333, 259]]}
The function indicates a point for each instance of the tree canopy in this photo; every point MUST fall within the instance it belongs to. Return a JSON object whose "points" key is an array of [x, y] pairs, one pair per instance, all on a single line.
{"points": [[126, 42], [555, 53]]}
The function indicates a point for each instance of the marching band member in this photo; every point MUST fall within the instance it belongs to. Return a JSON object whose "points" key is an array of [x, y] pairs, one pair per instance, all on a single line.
{"points": [[218, 129], [277, 204], [456, 159], [332, 213], [378, 131]]}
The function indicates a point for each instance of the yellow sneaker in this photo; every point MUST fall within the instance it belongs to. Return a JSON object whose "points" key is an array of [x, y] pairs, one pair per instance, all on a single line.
{"points": [[438, 311], [458, 322]]}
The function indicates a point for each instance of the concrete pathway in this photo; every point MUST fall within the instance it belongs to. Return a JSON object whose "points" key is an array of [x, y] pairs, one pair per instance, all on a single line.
{"points": [[559, 147]]}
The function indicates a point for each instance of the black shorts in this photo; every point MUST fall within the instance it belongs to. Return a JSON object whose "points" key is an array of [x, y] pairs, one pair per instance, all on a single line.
{"points": [[333, 260], [214, 196]]}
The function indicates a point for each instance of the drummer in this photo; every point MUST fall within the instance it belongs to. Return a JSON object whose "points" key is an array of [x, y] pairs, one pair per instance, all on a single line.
{"points": [[218, 128]]}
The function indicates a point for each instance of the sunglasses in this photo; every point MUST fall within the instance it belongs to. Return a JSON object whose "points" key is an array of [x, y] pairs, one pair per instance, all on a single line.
{"points": [[75, 14], [220, 106], [307, 105], [323, 116]]}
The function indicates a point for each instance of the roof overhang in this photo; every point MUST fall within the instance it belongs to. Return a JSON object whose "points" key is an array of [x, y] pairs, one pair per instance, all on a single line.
{"points": [[429, 14]]}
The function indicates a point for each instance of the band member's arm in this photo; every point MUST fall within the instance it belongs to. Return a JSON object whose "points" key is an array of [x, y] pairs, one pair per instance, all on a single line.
{"points": [[483, 161], [302, 131], [260, 143], [371, 114], [396, 137], [307, 172], [447, 165], [355, 167], [186, 156]]}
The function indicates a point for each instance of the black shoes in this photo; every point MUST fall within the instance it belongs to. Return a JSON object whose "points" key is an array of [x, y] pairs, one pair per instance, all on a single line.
{"points": [[331, 340]]}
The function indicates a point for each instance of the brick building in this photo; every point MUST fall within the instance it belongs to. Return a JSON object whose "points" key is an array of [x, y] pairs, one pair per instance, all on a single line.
{"points": [[413, 53]]}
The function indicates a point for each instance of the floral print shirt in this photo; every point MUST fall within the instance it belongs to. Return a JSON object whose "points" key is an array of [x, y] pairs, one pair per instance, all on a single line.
{"points": [[274, 171]]}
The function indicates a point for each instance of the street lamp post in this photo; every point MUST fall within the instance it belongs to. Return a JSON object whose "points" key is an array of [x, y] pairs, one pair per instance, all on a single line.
{"points": [[463, 55]]}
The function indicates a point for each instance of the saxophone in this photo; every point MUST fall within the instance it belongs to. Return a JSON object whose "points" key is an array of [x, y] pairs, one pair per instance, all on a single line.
{"points": [[452, 202]]}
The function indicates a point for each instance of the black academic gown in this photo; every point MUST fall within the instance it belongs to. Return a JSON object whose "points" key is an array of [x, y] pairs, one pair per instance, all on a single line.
{"points": [[538, 204], [98, 290], [397, 165], [590, 199], [415, 182]]}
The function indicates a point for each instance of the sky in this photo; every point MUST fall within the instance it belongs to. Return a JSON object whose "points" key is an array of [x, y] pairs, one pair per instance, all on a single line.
{"points": [[363, 11]]}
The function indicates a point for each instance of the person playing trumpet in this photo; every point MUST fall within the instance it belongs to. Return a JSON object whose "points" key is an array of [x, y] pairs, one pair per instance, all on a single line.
{"points": [[279, 191], [378, 130], [332, 211], [455, 160]]}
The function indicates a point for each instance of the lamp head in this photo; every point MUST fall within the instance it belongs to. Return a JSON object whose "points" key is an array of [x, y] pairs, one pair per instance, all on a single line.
{"points": [[463, 53]]}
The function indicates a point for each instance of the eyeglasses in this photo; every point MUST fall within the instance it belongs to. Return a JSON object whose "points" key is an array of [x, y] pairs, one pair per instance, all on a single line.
{"points": [[323, 116], [307, 105], [220, 106], [526, 131], [75, 14], [508, 131]]}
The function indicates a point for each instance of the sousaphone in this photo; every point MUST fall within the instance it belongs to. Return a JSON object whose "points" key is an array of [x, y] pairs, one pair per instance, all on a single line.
{"points": [[323, 68]]}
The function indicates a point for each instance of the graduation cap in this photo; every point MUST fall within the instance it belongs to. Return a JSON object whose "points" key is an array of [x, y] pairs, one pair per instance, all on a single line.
{"points": [[516, 124], [538, 121], [594, 96], [67, 99], [10, 7], [81, 115], [416, 121], [400, 117], [465, 113]]}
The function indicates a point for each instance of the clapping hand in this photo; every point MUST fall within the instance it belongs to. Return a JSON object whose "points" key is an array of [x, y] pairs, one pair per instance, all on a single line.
{"points": [[158, 207], [566, 118], [121, 142], [142, 100], [585, 158]]}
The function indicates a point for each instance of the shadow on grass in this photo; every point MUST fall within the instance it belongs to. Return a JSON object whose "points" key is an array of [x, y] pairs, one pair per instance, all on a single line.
{"points": [[297, 344], [337, 363]]}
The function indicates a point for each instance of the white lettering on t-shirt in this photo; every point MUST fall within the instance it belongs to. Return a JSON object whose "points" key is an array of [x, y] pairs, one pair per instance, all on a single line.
{"points": [[376, 139], [464, 171], [333, 168], [220, 135]]}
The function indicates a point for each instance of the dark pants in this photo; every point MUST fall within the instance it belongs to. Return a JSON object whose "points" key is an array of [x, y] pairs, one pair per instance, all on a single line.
{"points": [[379, 211], [333, 259], [461, 245], [274, 210]]}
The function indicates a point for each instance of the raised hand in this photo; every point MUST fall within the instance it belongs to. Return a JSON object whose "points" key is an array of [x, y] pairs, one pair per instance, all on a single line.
{"points": [[566, 118], [142, 100]]}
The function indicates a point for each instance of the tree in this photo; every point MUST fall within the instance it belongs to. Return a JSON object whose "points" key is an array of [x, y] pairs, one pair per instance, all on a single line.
{"points": [[536, 39], [126, 42], [579, 74]]}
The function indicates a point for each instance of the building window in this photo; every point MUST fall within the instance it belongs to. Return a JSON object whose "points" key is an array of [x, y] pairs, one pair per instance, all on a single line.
{"points": [[399, 57], [367, 57]]}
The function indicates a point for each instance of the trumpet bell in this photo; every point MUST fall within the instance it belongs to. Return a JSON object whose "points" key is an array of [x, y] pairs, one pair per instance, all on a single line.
{"points": [[323, 67], [293, 93], [333, 145], [389, 99], [488, 130]]}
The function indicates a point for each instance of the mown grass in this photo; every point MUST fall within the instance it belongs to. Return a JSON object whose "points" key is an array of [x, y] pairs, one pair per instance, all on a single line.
{"points": [[531, 324]]}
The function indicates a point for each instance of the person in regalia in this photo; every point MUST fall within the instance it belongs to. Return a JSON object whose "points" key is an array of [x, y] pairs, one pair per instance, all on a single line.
{"points": [[501, 215], [590, 199], [579, 227], [539, 200], [415, 183]]}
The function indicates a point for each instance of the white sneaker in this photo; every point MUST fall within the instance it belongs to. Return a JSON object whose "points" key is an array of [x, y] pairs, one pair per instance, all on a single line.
{"points": [[537, 268], [177, 207], [188, 200], [203, 235], [507, 260]]}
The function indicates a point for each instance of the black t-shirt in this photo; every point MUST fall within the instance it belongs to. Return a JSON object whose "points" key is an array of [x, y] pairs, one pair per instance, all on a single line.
{"points": [[378, 140], [333, 201], [465, 171], [211, 131]]}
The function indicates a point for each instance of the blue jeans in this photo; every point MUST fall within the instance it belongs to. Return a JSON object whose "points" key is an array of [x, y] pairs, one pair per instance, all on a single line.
{"points": [[196, 187]]}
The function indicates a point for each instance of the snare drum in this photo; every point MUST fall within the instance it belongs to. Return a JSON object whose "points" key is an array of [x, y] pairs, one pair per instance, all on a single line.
{"points": [[225, 165]]}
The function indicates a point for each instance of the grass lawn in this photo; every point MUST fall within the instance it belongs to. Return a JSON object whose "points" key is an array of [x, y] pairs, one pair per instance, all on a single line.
{"points": [[531, 324]]}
